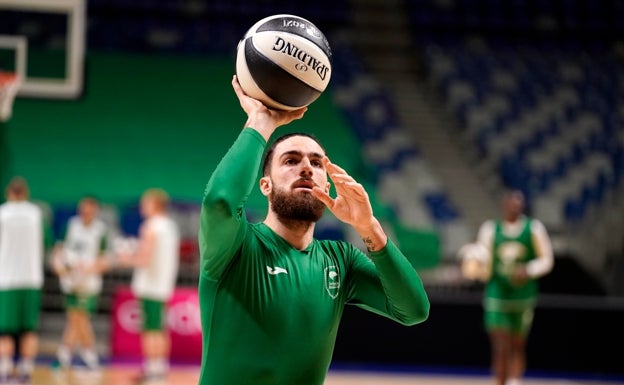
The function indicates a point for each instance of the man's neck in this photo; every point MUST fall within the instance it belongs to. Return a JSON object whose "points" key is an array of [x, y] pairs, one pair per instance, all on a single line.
{"points": [[299, 234], [514, 219]]}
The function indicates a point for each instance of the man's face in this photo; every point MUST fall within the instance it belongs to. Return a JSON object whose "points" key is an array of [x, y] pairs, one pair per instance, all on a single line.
{"points": [[513, 205], [88, 210], [147, 206], [296, 167]]}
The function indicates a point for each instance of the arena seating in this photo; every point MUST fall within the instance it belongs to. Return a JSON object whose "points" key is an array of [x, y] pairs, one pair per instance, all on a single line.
{"points": [[547, 114], [177, 26]]}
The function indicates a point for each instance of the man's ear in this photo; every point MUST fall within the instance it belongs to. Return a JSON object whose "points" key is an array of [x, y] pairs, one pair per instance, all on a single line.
{"points": [[265, 185]]}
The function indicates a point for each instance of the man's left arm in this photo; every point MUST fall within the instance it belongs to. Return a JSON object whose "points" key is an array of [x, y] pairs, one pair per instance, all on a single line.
{"points": [[392, 286], [544, 261], [387, 284]]}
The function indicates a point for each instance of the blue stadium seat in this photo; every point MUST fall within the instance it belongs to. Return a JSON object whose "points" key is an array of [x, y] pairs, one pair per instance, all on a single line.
{"points": [[130, 220], [60, 216]]}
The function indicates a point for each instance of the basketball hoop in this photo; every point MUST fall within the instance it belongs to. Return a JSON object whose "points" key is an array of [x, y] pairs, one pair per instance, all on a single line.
{"points": [[9, 85]]}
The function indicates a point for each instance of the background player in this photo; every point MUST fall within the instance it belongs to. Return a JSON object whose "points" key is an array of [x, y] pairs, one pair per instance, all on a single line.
{"points": [[521, 252], [155, 265], [271, 296], [22, 247], [79, 262]]}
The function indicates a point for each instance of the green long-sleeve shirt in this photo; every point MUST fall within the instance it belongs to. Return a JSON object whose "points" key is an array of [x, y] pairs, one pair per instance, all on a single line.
{"points": [[270, 312]]}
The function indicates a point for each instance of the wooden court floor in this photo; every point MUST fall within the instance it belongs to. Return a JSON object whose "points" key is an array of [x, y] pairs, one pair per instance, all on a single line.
{"points": [[126, 375]]}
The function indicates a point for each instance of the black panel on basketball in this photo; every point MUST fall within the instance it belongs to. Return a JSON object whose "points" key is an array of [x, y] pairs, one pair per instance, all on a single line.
{"points": [[274, 81], [317, 38]]}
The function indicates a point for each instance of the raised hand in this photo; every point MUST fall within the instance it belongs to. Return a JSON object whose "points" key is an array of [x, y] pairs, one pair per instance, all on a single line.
{"points": [[261, 118], [351, 204]]}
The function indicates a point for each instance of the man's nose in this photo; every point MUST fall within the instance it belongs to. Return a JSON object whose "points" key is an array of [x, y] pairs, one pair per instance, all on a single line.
{"points": [[306, 167]]}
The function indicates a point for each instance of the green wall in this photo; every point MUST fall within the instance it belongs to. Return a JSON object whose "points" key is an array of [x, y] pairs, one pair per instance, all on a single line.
{"points": [[159, 121], [144, 121]]}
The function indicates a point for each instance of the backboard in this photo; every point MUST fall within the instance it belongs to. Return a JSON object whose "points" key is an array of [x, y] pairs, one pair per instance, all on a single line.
{"points": [[32, 31]]}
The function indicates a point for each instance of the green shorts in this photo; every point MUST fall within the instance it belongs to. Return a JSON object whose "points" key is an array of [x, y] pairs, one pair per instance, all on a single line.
{"points": [[19, 310], [87, 303], [516, 322], [153, 314]]}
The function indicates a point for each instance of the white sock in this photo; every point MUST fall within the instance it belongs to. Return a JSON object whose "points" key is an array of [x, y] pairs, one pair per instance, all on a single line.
{"points": [[6, 366], [26, 366], [90, 358], [513, 381], [162, 365], [156, 366], [64, 355]]}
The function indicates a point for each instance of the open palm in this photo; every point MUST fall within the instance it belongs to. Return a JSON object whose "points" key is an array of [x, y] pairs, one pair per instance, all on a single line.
{"points": [[351, 204]]}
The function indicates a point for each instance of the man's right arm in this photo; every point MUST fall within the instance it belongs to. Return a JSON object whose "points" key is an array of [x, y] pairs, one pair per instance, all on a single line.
{"points": [[222, 219], [485, 235]]}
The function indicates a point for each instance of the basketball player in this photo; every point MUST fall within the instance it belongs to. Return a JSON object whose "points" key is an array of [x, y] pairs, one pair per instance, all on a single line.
{"points": [[80, 262], [271, 295], [155, 265], [22, 246], [521, 253]]}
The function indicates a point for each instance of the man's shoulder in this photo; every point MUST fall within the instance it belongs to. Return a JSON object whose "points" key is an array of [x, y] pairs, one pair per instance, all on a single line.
{"points": [[536, 224], [489, 224], [21, 206], [161, 221]]}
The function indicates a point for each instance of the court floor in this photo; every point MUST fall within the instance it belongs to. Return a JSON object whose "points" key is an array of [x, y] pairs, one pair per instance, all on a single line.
{"points": [[126, 375]]}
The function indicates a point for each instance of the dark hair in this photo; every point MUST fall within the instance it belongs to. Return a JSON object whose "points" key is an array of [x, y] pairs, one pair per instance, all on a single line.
{"points": [[18, 187], [513, 193], [268, 154]]}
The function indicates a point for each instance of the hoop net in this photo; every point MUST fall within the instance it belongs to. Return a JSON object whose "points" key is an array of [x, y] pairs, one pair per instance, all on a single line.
{"points": [[9, 85]]}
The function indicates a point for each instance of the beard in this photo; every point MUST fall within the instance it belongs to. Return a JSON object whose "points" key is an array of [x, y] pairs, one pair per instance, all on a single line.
{"points": [[296, 207]]}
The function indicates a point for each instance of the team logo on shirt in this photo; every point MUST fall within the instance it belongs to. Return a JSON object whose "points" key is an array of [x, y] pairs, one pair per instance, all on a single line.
{"points": [[332, 281], [510, 253]]}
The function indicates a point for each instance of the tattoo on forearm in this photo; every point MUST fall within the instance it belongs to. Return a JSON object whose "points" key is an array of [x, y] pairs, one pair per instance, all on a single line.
{"points": [[370, 245]]}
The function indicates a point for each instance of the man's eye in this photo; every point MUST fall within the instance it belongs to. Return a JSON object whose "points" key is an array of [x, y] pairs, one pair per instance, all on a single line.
{"points": [[317, 163], [289, 161]]}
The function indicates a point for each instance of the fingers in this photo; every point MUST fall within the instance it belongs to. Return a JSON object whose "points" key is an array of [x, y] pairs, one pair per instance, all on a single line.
{"points": [[288, 116], [243, 98], [251, 105], [333, 167], [237, 87], [298, 114], [323, 196], [337, 173], [343, 181]]}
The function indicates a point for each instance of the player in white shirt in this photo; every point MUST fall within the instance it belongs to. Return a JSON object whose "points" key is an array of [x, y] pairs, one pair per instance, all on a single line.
{"points": [[21, 278], [155, 264], [80, 262]]}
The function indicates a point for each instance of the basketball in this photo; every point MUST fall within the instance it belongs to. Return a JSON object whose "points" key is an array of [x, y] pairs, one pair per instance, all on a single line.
{"points": [[284, 61], [475, 262]]}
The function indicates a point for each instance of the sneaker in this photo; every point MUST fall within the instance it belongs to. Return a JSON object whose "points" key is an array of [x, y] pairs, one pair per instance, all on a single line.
{"points": [[90, 359], [151, 378]]}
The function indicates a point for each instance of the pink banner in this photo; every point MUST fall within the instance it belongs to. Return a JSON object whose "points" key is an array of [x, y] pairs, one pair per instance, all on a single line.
{"points": [[182, 323]]}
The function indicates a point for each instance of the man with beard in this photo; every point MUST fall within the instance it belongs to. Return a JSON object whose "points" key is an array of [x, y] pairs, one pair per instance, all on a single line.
{"points": [[271, 295]]}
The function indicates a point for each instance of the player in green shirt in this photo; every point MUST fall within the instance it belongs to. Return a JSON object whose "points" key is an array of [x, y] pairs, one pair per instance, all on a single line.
{"points": [[520, 253], [271, 295]]}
